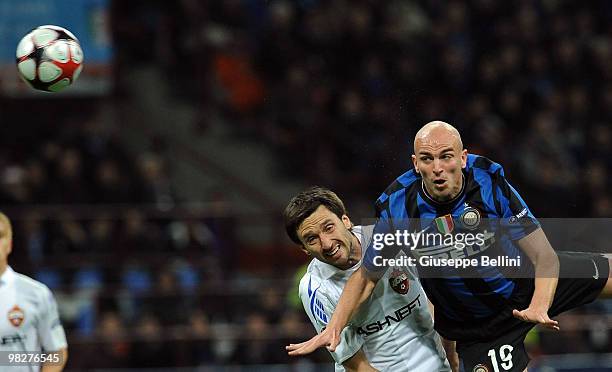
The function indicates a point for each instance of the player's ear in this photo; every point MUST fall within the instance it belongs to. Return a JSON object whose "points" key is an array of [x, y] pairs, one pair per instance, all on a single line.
{"points": [[464, 158], [305, 250], [414, 162], [347, 221]]}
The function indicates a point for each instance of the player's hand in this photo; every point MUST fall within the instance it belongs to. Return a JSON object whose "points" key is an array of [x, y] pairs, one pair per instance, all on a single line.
{"points": [[536, 316], [328, 338]]}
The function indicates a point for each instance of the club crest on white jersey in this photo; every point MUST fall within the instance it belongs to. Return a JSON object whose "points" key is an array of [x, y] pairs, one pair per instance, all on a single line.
{"points": [[16, 316]]}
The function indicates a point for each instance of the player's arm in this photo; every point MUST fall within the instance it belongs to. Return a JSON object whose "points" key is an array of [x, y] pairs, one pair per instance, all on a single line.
{"points": [[451, 353], [51, 334], [52, 365], [546, 264], [524, 228], [358, 363], [448, 345], [357, 290]]}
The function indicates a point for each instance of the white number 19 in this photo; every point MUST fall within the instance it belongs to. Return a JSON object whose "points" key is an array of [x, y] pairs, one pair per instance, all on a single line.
{"points": [[505, 354]]}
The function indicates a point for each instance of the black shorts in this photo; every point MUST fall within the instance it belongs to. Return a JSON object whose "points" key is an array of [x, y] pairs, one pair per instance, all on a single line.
{"points": [[582, 277]]}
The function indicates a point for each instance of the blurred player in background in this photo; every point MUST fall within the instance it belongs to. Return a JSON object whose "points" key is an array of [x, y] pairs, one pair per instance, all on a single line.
{"points": [[489, 315], [29, 321], [393, 330]]}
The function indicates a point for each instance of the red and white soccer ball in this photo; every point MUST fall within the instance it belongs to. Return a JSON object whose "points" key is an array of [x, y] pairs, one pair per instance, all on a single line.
{"points": [[49, 58]]}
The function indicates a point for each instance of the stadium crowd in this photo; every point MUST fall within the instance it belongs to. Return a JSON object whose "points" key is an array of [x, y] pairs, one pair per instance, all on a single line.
{"points": [[133, 277], [340, 85], [343, 85]]}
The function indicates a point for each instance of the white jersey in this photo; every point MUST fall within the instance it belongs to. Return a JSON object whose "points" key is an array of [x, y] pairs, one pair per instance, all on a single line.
{"points": [[394, 327], [29, 321]]}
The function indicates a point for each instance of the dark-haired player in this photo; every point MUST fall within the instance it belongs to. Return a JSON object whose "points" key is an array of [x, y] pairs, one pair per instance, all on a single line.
{"points": [[393, 330], [488, 315]]}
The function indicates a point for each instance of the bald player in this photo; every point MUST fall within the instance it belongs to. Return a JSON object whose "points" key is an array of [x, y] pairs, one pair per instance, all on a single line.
{"points": [[31, 335], [486, 310]]}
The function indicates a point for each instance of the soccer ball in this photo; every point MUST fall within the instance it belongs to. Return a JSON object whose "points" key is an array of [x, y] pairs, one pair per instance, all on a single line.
{"points": [[49, 58]]}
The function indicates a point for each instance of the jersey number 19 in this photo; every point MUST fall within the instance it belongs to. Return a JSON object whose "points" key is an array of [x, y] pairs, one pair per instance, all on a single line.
{"points": [[505, 355]]}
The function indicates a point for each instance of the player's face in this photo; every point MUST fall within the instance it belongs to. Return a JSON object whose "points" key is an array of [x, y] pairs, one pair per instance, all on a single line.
{"points": [[439, 159], [327, 238], [5, 242]]}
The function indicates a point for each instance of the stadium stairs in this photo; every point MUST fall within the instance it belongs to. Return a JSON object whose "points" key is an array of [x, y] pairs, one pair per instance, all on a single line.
{"points": [[241, 168]]}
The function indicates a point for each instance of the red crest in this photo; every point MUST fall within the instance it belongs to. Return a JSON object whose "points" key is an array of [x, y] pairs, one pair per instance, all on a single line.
{"points": [[16, 316], [398, 280]]}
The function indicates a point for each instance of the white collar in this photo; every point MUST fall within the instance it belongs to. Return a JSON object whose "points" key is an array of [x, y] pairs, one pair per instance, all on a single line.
{"points": [[8, 277]]}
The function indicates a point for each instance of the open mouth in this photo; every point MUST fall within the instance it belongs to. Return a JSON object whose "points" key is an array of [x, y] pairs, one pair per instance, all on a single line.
{"points": [[439, 182], [333, 251]]}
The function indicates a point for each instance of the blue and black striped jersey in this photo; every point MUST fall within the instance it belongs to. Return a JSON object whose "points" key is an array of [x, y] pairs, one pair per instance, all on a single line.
{"points": [[486, 195]]}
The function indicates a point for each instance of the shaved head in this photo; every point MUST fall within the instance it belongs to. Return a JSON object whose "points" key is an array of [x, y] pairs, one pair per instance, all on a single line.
{"points": [[6, 237], [434, 130], [439, 158]]}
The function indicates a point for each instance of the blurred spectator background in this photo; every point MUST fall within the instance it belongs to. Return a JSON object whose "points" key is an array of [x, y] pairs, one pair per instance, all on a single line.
{"points": [[152, 210]]}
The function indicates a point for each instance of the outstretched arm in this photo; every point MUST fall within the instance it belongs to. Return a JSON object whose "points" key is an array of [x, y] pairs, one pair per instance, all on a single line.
{"points": [[546, 263], [356, 291], [52, 366]]}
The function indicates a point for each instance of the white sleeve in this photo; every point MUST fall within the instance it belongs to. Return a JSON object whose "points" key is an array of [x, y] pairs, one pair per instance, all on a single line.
{"points": [[319, 306], [50, 330]]}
